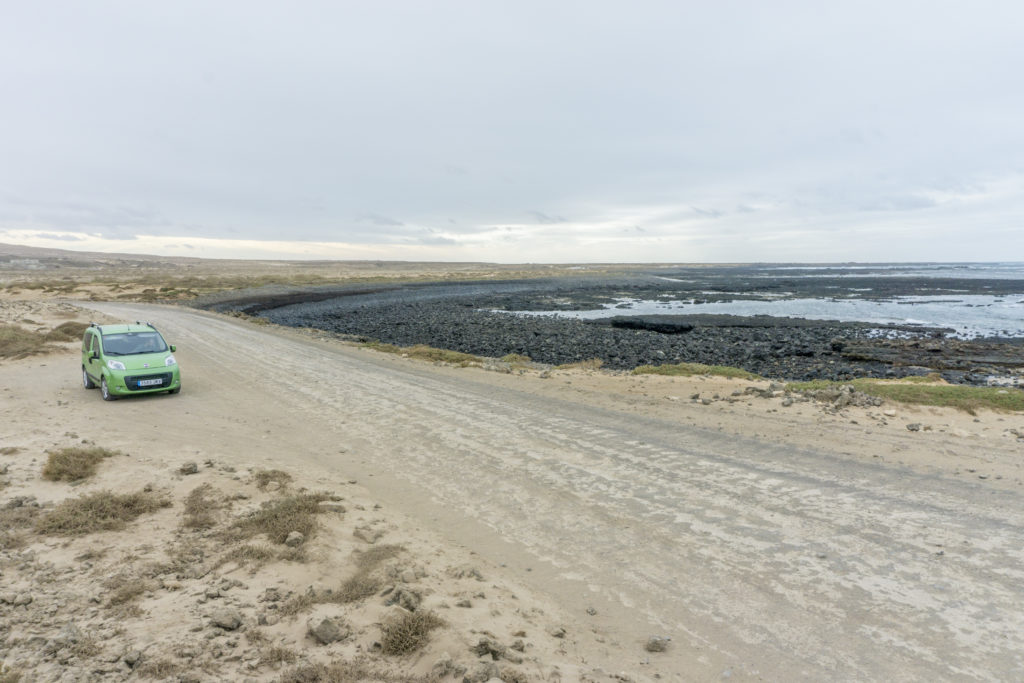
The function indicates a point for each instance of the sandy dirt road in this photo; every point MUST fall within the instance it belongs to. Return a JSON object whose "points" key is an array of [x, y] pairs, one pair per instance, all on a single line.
{"points": [[760, 560]]}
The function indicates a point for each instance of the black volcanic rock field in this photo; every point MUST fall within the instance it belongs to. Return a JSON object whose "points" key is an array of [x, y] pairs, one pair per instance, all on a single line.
{"points": [[481, 318]]}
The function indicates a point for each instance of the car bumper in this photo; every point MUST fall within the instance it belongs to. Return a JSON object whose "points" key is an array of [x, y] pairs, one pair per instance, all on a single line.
{"points": [[132, 382]]}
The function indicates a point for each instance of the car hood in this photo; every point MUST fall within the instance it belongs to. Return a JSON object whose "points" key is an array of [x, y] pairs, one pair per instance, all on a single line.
{"points": [[145, 361]]}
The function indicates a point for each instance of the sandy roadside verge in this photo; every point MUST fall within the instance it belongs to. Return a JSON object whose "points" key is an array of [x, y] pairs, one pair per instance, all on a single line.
{"points": [[165, 599], [986, 446]]}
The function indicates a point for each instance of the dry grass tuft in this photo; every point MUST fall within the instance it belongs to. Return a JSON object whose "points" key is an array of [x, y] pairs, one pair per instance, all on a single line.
{"points": [[125, 589], [200, 507], [9, 675], [516, 359], [358, 587], [345, 672], [253, 556], [75, 463], [13, 523], [374, 556], [424, 352], [101, 511], [17, 342], [277, 655], [157, 669], [9, 450], [280, 517], [588, 364], [264, 477], [690, 369], [408, 633], [67, 332]]}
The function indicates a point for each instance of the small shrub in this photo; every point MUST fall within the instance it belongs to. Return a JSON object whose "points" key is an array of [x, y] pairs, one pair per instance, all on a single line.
{"points": [[689, 369], [279, 518], [264, 477], [124, 589], [75, 463], [16, 342], [516, 359], [199, 508], [358, 587], [13, 523], [408, 633], [67, 332], [157, 668], [375, 555], [101, 511], [254, 556], [278, 655]]}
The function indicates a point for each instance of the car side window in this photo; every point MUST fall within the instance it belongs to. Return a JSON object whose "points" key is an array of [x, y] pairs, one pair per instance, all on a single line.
{"points": [[86, 342]]}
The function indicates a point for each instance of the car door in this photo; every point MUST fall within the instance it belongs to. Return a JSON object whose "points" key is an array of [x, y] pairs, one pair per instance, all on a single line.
{"points": [[92, 363]]}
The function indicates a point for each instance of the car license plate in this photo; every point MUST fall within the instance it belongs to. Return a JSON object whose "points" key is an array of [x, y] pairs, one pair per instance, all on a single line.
{"points": [[150, 382]]}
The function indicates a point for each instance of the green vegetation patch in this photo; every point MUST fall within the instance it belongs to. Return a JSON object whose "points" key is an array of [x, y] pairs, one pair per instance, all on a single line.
{"points": [[690, 369], [75, 463], [101, 511], [912, 390]]}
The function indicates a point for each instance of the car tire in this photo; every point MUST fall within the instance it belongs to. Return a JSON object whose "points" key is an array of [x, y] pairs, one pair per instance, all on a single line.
{"points": [[105, 391], [87, 380]]}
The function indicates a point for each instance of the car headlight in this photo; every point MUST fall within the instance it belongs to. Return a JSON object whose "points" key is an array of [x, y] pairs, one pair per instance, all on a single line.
{"points": [[115, 365], [170, 361]]}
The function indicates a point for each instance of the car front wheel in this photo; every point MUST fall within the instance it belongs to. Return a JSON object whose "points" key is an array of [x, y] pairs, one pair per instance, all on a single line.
{"points": [[105, 390], [87, 380]]}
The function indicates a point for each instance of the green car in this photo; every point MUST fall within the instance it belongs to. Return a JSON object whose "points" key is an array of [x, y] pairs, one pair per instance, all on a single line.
{"points": [[124, 360]]}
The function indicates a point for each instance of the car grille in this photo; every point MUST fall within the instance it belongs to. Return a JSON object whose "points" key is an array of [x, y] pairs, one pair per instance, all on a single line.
{"points": [[131, 382]]}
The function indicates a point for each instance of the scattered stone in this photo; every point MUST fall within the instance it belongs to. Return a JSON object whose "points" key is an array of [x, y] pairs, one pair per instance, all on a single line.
{"points": [[22, 599], [787, 402], [330, 506], [657, 644], [294, 539], [189, 468], [227, 619], [914, 427], [405, 598], [591, 611], [132, 657], [464, 603], [329, 630], [558, 632]]}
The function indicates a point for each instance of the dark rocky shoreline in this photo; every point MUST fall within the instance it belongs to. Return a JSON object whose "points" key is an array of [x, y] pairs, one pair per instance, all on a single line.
{"points": [[478, 318]]}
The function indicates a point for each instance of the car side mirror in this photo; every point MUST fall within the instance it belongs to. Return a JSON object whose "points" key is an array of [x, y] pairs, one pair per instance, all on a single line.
{"points": [[173, 348], [94, 356]]}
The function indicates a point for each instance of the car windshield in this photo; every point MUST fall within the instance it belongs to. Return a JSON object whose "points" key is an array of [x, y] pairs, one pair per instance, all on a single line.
{"points": [[131, 343]]}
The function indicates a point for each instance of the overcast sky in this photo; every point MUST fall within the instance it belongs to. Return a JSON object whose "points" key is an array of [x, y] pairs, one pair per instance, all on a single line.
{"points": [[515, 131]]}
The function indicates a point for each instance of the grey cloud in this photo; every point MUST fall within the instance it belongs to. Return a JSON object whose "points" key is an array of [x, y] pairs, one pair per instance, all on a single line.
{"points": [[55, 236], [899, 203], [545, 219], [707, 213]]}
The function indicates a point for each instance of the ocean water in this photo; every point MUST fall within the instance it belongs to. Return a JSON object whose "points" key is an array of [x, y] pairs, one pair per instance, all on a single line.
{"points": [[970, 315]]}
